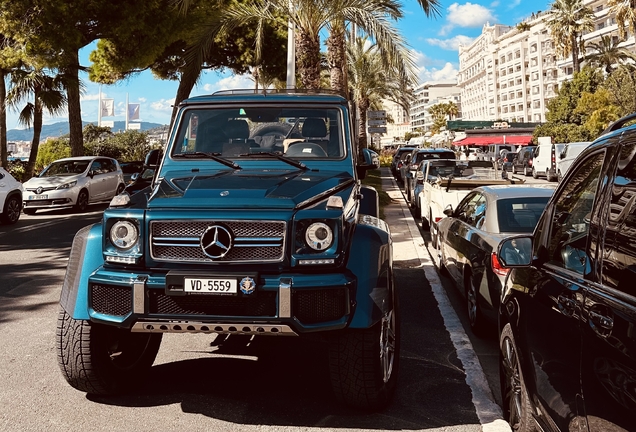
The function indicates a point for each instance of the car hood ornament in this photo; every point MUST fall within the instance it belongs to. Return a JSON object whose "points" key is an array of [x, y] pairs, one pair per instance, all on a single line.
{"points": [[216, 241]]}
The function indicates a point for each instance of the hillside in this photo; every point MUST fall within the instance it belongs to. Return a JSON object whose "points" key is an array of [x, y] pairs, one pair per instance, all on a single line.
{"points": [[58, 129]]}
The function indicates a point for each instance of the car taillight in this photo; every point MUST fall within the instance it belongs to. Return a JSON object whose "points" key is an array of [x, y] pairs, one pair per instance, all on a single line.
{"points": [[399, 165], [437, 219], [529, 162], [497, 268]]}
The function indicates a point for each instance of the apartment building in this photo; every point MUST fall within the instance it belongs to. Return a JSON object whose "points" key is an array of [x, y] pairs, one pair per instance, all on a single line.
{"points": [[428, 94], [399, 126], [510, 73]]}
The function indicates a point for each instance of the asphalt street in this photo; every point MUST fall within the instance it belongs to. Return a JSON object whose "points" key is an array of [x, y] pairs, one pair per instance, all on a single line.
{"points": [[199, 383]]}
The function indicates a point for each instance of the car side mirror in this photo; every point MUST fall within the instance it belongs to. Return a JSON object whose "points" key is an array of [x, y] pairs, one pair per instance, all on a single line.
{"points": [[370, 160], [153, 158], [91, 174], [515, 251], [134, 177], [448, 211]]}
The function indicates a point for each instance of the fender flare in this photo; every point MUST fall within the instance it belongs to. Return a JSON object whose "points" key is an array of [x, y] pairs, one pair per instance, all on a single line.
{"points": [[371, 261], [86, 257]]}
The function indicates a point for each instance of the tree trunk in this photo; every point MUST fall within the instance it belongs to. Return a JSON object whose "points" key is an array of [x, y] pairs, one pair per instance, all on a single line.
{"points": [[308, 59], [575, 54], [74, 108], [35, 142], [336, 57], [363, 106], [186, 84], [3, 121]]}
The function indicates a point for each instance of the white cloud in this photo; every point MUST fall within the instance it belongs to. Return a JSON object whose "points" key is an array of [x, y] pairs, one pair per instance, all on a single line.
{"points": [[91, 97], [446, 73], [451, 44], [162, 105], [142, 99], [513, 4], [229, 83], [466, 15]]}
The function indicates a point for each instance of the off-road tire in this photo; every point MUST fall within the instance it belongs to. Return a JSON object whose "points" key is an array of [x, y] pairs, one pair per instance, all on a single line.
{"points": [[88, 360], [11, 211], [517, 407], [363, 363], [82, 201]]}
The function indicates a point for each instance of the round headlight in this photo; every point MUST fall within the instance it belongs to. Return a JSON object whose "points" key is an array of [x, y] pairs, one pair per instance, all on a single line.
{"points": [[319, 236], [124, 234]]}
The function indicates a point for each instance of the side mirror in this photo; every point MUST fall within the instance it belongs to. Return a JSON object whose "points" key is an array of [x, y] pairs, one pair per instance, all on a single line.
{"points": [[134, 177], [448, 211], [91, 174], [153, 158], [370, 160], [515, 251]]}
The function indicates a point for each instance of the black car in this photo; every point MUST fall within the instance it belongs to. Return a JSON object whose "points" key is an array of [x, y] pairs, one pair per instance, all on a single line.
{"points": [[130, 168], [522, 161], [140, 181], [567, 321], [398, 160]]}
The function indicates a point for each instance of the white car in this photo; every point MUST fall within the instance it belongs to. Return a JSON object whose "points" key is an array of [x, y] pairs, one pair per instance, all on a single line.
{"points": [[10, 198], [569, 153], [73, 182]]}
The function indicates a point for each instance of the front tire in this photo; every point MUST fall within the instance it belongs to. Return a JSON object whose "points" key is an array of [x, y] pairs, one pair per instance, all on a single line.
{"points": [[363, 364], [11, 211], [101, 359], [82, 201], [517, 408]]}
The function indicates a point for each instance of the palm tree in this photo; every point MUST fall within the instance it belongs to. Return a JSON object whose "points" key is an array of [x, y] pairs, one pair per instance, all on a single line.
{"points": [[48, 93], [567, 20], [9, 60], [607, 53], [451, 109], [309, 18], [523, 26], [336, 41], [625, 11], [370, 81]]}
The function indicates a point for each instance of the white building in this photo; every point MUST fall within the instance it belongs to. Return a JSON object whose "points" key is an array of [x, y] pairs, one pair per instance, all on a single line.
{"points": [[399, 126], [510, 74], [428, 94]]}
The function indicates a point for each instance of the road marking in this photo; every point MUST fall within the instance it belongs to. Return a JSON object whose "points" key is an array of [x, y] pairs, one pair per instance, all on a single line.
{"points": [[489, 413]]}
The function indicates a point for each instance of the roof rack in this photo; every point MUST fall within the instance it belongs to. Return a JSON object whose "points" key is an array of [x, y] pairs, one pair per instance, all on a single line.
{"points": [[273, 91]]}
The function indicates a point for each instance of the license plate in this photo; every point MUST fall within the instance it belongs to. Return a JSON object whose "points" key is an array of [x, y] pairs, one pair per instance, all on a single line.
{"points": [[38, 197], [210, 286]]}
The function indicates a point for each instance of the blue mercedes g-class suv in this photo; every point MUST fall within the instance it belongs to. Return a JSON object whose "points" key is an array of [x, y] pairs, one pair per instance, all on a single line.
{"points": [[255, 224]]}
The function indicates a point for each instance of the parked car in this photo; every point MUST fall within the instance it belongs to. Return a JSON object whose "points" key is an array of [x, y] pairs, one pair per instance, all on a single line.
{"points": [[568, 155], [73, 182], [506, 160], [568, 310], [409, 169], [10, 198], [522, 162], [470, 234], [430, 171], [237, 239], [130, 168], [396, 161], [544, 161]]}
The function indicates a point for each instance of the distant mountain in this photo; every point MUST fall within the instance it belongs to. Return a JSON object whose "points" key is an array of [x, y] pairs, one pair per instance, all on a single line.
{"points": [[58, 129]]}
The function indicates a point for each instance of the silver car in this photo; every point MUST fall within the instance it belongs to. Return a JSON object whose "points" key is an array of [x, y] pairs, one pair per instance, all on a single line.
{"points": [[73, 182]]}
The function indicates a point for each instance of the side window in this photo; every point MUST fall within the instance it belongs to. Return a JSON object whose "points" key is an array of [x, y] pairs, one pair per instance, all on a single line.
{"points": [[107, 166], [472, 208], [96, 167], [567, 243], [619, 254]]}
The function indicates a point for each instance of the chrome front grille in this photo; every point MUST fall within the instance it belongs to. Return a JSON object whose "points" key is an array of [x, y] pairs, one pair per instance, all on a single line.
{"points": [[254, 241]]}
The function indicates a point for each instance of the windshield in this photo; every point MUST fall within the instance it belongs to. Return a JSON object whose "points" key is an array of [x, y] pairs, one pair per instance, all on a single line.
{"points": [[65, 168], [253, 132]]}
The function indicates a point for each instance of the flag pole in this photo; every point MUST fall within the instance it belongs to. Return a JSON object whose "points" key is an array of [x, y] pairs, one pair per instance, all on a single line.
{"points": [[126, 112], [99, 108]]}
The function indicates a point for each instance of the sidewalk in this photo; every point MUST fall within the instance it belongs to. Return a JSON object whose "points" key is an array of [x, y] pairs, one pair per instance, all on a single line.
{"points": [[410, 251]]}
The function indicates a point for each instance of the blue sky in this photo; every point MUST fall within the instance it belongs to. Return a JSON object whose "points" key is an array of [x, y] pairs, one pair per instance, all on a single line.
{"points": [[434, 43]]}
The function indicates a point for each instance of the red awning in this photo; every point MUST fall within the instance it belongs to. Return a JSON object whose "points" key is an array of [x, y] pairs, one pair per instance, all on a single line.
{"points": [[495, 139]]}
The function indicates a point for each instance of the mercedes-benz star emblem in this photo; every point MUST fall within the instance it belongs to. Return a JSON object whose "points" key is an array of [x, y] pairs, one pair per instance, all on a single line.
{"points": [[216, 241], [247, 285]]}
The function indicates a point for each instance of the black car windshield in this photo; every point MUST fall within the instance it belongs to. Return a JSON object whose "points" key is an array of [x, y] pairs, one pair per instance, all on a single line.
{"points": [[250, 132], [520, 215], [65, 168]]}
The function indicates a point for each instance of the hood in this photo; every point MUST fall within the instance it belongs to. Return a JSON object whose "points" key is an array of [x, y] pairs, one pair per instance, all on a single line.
{"points": [[52, 181], [267, 189]]}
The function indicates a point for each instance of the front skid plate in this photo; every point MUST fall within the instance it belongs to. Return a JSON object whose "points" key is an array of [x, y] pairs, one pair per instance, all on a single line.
{"points": [[204, 327]]}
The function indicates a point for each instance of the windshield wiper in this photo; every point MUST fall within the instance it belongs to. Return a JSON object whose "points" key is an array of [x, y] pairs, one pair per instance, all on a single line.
{"points": [[278, 156], [214, 156]]}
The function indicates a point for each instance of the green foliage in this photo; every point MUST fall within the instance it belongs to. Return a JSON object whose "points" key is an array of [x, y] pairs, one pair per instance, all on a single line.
{"points": [[562, 108], [50, 151], [597, 110], [621, 86], [93, 132], [126, 146], [17, 168], [563, 133]]}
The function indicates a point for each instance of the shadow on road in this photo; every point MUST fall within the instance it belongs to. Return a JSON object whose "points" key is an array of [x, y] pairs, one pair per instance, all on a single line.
{"points": [[285, 381]]}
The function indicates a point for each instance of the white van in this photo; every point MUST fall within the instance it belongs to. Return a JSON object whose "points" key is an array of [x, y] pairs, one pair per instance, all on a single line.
{"points": [[544, 160], [568, 155]]}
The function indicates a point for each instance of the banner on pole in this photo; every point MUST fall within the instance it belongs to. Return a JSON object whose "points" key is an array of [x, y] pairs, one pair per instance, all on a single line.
{"points": [[133, 111], [134, 126], [108, 107]]}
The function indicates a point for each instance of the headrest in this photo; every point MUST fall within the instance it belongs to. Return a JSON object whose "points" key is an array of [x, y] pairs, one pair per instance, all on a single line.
{"points": [[314, 127], [237, 129]]}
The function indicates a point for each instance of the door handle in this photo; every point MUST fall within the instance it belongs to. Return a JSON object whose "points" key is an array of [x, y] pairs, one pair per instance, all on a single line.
{"points": [[566, 305], [601, 323]]}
